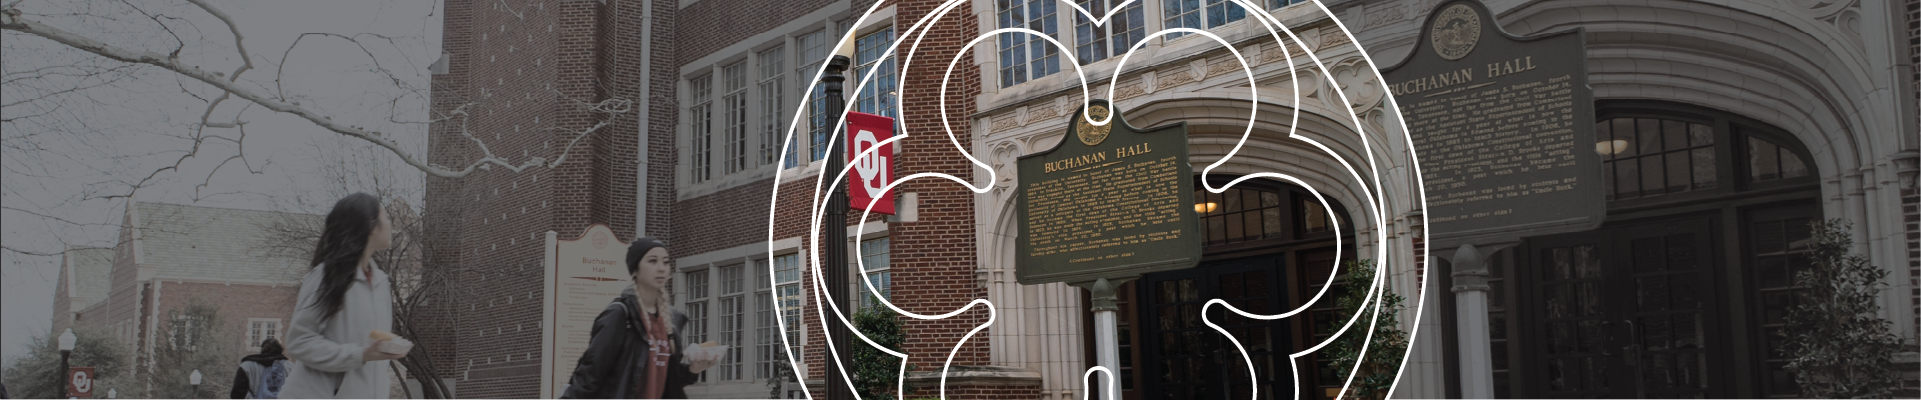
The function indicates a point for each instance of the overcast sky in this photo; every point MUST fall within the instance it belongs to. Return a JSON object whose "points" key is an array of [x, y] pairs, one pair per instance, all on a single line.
{"points": [[110, 136]]}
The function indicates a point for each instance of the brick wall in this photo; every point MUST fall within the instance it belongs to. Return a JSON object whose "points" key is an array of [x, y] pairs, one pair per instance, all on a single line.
{"points": [[237, 303], [934, 259], [1909, 200], [524, 70]]}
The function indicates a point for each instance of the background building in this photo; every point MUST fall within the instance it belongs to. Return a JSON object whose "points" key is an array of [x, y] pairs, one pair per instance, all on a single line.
{"points": [[169, 257]]}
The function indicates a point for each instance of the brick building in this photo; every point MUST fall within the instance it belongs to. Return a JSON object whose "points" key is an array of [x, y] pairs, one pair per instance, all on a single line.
{"points": [[170, 256], [714, 85]]}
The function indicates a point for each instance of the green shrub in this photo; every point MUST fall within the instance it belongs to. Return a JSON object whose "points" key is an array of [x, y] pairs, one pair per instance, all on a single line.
{"points": [[1837, 347], [1382, 362]]}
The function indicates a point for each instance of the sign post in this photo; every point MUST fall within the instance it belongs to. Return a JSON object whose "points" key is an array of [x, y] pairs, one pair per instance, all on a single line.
{"points": [[582, 276], [1504, 126], [80, 382], [1107, 204]]}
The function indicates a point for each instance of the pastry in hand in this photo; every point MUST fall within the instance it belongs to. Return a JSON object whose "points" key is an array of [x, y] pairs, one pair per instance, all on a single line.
{"points": [[390, 343]]}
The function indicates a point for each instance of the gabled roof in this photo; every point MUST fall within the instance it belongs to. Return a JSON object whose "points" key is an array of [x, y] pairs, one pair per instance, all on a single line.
{"points": [[219, 244], [92, 274]]}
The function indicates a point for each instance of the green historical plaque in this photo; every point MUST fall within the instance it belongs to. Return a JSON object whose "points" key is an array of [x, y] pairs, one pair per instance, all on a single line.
{"points": [[1503, 126], [1109, 201]]}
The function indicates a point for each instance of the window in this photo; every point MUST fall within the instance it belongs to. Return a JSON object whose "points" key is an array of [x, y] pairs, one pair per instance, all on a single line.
{"points": [[697, 293], [733, 320], [1024, 56], [734, 155], [185, 331], [813, 52], [1283, 3], [1779, 241], [1768, 161], [871, 58], [1095, 43], [1240, 214], [259, 330], [873, 258], [1651, 156], [771, 66], [700, 121], [1191, 14], [766, 342], [787, 288]]}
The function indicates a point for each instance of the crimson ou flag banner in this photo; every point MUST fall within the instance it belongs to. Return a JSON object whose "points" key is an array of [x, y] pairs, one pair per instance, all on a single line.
{"points": [[872, 173]]}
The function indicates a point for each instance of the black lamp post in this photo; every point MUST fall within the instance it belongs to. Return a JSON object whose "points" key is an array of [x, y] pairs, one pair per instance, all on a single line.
{"points": [[835, 238], [66, 349]]}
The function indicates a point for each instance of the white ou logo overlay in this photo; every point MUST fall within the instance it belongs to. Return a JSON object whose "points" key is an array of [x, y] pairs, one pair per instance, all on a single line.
{"points": [[81, 382], [872, 169], [868, 164]]}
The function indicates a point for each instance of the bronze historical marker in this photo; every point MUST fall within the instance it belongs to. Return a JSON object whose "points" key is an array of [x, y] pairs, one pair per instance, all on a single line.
{"points": [[1503, 127], [1108, 201]]}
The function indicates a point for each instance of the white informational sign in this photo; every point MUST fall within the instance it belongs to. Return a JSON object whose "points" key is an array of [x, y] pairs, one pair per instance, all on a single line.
{"points": [[583, 275]]}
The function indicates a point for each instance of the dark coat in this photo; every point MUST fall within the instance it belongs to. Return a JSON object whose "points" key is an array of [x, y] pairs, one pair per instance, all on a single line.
{"points": [[617, 355]]}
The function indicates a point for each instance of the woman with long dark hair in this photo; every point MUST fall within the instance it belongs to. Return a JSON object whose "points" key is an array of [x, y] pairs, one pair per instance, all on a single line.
{"points": [[635, 350], [343, 301]]}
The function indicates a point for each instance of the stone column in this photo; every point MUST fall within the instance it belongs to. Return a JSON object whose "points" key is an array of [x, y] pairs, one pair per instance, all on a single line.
{"points": [[1470, 301]]}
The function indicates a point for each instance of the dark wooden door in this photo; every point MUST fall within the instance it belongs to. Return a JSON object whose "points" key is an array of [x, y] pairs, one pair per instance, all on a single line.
{"points": [[1622, 313], [1185, 359]]}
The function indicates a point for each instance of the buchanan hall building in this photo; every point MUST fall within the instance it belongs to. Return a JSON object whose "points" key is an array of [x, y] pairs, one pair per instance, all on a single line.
{"points": [[1742, 122]]}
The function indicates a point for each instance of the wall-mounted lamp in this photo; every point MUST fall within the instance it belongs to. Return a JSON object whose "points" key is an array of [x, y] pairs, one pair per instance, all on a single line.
{"points": [[1609, 148]]}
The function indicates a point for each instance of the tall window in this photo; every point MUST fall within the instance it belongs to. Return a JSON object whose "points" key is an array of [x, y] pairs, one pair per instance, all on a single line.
{"points": [[697, 299], [873, 258], [870, 58], [766, 333], [787, 288], [1193, 14], [1026, 56], [813, 52], [259, 330], [733, 320], [700, 120], [735, 83], [771, 65], [1095, 43]]}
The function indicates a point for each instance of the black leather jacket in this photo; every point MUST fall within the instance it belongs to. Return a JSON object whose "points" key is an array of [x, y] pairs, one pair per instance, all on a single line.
{"points": [[617, 355]]}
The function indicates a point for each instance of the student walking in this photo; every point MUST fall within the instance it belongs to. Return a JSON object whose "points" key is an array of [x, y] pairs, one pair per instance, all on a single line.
{"points": [[635, 350], [345, 302], [261, 375]]}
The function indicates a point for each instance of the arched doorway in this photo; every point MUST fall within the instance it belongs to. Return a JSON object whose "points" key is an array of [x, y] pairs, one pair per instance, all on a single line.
{"points": [[1269, 248], [1677, 294]]}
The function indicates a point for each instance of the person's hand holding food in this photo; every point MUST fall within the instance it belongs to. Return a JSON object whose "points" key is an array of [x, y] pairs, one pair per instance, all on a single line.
{"points": [[704, 355]]}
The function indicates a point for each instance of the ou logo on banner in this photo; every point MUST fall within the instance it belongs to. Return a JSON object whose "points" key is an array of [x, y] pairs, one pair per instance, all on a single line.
{"points": [[80, 382], [873, 172]]}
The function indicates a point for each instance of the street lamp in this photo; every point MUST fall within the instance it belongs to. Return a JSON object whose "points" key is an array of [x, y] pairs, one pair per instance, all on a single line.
{"points": [[66, 349], [194, 379], [836, 231]]}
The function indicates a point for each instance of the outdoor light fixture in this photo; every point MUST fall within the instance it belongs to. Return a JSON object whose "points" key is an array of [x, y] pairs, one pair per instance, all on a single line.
{"points": [[66, 340], [113, 393], [194, 380], [1609, 148], [1206, 207]]}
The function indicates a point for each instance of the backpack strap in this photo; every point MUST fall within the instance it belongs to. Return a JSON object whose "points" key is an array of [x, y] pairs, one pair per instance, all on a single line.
{"points": [[629, 312]]}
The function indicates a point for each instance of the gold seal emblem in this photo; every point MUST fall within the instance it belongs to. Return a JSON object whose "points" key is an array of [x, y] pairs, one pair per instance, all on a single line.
{"points": [[1089, 133], [1455, 32]]}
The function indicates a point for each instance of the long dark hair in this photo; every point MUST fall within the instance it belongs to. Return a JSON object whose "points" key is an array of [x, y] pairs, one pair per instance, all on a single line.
{"points": [[341, 243]]}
